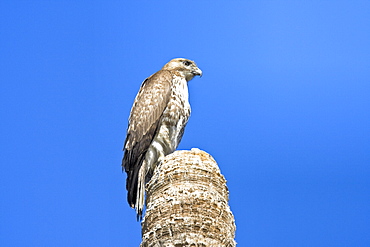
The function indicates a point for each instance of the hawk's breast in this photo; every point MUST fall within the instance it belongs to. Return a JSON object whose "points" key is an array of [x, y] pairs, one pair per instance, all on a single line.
{"points": [[177, 112]]}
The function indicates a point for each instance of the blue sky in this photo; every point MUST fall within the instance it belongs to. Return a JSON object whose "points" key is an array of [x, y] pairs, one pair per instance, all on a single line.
{"points": [[283, 106]]}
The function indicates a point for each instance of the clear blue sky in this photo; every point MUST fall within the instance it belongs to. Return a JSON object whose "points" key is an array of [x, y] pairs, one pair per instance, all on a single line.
{"points": [[283, 106]]}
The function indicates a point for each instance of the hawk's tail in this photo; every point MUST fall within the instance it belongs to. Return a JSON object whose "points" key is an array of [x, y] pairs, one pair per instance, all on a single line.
{"points": [[140, 192], [135, 185]]}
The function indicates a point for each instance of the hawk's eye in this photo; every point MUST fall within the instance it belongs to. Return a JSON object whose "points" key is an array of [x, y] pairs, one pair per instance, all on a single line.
{"points": [[187, 63]]}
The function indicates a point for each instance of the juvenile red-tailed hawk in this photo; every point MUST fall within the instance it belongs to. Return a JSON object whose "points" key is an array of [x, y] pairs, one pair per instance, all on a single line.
{"points": [[157, 120]]}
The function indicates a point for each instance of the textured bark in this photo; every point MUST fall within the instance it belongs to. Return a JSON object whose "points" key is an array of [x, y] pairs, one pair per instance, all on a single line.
{"points": [[187, 203]]}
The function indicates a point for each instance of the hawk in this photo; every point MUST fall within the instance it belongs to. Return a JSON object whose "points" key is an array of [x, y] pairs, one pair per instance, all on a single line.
{"points": [[156, 125]]}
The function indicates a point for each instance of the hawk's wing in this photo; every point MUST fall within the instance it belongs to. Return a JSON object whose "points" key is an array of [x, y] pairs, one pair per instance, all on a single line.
{"points": [[144, 121]]}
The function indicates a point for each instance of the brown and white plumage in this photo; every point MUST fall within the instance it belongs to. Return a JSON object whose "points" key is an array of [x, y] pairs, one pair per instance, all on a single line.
{"points": [[156, 124]]}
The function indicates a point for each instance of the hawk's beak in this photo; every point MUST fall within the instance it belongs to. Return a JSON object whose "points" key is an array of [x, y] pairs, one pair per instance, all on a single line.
{"points": [[198, 72]]}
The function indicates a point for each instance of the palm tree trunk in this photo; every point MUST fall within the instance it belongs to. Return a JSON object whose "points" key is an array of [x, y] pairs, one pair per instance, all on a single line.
{"points": [[187, 203]]}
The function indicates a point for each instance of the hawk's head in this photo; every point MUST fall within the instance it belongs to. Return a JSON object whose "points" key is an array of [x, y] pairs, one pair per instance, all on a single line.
{"points": [[184, 66]]}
